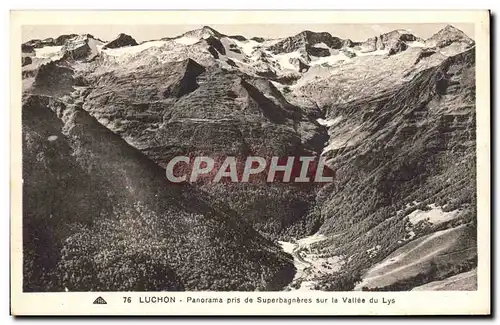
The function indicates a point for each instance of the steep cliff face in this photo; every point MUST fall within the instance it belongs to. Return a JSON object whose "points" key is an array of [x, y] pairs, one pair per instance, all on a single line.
{"points": [[394, 115]]}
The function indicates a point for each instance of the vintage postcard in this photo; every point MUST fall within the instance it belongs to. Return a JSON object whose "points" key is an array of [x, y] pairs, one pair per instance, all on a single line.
{"points": [[250, 163]]}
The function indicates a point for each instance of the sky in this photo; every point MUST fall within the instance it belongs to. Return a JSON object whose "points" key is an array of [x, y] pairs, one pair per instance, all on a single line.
{"points": [[355, 32]]}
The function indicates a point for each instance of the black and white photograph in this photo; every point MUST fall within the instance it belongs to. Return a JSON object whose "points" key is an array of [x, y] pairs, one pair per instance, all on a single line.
{"points": [[293, 158]]}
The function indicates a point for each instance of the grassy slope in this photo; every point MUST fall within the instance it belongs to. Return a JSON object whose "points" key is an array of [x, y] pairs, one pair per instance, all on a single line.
{"points": [[450, 246]]}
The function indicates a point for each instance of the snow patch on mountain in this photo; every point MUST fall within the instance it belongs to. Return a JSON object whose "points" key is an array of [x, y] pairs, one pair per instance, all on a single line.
{"points": [[134, 49], [462, 281]]}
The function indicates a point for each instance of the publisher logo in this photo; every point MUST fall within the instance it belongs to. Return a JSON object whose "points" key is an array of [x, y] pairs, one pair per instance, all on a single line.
{"points": [[100, 301]]}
